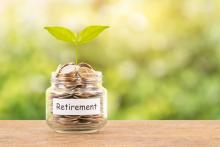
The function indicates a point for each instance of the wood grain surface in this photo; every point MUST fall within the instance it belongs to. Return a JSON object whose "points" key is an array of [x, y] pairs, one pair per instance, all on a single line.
{"points": [[115, 133]]}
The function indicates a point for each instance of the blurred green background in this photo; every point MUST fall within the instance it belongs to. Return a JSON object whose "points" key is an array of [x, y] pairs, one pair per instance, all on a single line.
{"points": [[160, 58]]}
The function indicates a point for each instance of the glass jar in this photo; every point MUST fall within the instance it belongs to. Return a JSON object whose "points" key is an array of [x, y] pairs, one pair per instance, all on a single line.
{"points": [[76, 100]]}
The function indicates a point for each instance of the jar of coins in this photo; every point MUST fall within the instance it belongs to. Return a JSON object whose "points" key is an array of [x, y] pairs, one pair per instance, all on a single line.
{"points": [[76, 100]]}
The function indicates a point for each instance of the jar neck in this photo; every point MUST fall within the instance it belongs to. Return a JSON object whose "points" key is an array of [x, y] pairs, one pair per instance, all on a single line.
{"points": [[76, 80]]}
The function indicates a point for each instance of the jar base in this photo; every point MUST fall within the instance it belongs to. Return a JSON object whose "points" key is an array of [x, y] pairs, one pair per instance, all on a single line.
{"points": [[77, 131]]}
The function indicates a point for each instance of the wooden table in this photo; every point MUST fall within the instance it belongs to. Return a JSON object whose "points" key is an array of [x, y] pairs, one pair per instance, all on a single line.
{"points": [[115, 133]]}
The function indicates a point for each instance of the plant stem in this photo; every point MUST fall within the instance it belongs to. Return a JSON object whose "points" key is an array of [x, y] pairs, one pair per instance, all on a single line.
{"points": [[76, 55]]}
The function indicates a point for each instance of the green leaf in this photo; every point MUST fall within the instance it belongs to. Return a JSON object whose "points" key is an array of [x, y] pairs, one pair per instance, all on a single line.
{"points": [[62, 33], [90, 33]]}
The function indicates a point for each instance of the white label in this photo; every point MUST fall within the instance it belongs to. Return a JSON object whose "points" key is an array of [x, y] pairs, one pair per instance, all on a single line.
{"points": [[76, 106]]}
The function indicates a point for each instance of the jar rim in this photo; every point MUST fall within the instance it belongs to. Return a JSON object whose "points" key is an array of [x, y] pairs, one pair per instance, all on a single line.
{"points": [[95, 77]]}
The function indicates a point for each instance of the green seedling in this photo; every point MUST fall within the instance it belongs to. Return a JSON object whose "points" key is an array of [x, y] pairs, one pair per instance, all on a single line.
{"points": [[77, 39]]}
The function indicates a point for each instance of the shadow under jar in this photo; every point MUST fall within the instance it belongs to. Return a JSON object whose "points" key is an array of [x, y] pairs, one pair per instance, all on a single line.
{"points": [[76, 101]]}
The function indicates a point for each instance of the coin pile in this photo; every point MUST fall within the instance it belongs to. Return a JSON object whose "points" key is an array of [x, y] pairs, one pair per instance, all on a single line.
{"points": [[74, 82]]}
